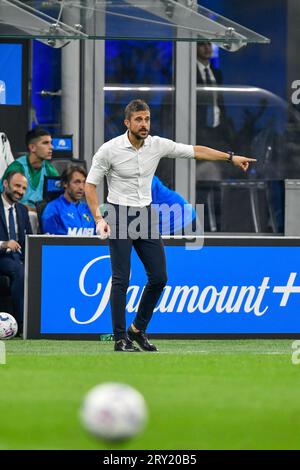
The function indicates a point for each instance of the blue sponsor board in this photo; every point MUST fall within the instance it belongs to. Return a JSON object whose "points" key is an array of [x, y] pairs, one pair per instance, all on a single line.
{"points": [[11, 74], [215, 290]]}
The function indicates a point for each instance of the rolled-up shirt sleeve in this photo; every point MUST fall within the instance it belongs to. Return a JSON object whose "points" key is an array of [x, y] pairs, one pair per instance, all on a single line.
{"points": [[99, 168]]}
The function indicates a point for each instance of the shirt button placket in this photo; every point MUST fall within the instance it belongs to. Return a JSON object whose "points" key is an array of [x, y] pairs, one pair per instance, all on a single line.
{"points": [[140, 167]]}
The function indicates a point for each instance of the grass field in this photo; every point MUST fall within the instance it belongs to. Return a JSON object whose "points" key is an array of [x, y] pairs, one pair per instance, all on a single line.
{"points": [[241, 394]]}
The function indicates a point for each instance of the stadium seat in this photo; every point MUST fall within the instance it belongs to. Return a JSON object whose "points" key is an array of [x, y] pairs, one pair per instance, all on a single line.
{"points": [[246, 207], [61, 163], [40, 206]]}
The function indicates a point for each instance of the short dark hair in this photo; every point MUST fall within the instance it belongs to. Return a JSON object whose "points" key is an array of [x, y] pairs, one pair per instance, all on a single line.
{"points": [[35, 133], [135, 106], [70, 170]]}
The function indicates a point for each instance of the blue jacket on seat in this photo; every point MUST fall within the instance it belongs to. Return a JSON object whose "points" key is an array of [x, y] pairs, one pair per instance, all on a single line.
{"points": [[61, 217]]}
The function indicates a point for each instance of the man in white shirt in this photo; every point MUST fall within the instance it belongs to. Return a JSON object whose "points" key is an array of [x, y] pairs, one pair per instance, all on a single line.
{"points": [[129, 163], [211, 122], [6, 157], [209, 76]]}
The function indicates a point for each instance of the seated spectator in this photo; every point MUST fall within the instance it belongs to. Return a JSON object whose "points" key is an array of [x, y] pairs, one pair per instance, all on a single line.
{"points": [[6, 157], [69, 214], [34, 166], [14, 225]]}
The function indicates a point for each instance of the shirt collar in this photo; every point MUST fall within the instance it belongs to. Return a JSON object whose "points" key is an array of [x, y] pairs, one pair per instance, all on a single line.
{"points": [[128, 144], [6, 203], [69, 203], [203, 67]]}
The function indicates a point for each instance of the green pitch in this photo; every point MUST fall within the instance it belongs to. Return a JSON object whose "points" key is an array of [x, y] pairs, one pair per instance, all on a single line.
{"points": [[200, 394]]}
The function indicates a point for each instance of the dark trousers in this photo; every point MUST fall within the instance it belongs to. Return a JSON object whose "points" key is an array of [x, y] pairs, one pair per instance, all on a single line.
{"points": [[151, 253], [13, 267]]}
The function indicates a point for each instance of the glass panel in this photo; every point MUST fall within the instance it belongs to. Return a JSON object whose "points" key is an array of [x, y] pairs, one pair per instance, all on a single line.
{"points": [[127, 62], [159, 98], [14, 93], [230, 27], [128, 76], [161, 102], [255, 123], [46, 88], [120, 19]]}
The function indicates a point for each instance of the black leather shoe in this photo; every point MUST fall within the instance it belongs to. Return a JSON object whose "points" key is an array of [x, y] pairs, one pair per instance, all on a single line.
{"points": [[141, 339], [124, 345]]}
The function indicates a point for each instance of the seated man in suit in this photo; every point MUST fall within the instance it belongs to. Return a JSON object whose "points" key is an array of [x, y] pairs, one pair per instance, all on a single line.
{"points": [[14, 225]]}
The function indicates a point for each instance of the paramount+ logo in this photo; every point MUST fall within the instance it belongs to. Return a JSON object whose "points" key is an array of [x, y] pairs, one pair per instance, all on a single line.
{"points": [[233, 299]]}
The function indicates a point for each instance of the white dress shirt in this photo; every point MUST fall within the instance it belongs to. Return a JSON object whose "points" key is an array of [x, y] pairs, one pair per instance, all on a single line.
{"points": [[7, 206], [201, 68], [130, 171]]}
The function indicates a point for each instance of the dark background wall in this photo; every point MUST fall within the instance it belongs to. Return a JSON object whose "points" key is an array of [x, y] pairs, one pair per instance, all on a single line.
{"points": [[46, 75], [14, 118], [259, 65], [272, 67]]}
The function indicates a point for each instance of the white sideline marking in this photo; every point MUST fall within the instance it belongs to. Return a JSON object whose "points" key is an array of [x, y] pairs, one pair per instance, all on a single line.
{"points": [[259, 353]]}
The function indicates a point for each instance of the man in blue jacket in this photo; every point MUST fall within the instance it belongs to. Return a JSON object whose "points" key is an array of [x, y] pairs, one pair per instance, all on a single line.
{"points": [[69, 215]]}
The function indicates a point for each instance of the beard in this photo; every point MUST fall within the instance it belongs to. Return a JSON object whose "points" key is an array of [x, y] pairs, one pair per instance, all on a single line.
{"points": [[11, 196], [73, 196], [138, 136]]}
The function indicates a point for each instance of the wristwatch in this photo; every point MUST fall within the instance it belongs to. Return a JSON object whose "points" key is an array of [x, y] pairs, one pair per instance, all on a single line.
{"points": [[230, 156]]}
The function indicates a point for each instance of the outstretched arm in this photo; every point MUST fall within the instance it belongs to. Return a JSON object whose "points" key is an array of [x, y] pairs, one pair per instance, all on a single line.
{"points": [[207, 153]]}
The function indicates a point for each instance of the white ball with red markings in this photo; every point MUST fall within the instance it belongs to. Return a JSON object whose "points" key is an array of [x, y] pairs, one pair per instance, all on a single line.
{"points": [[8, 326], [114, 412]]}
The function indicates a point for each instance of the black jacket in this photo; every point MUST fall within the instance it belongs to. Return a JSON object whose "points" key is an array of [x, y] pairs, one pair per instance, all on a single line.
{"points": [[23, 222], [201, 103]]}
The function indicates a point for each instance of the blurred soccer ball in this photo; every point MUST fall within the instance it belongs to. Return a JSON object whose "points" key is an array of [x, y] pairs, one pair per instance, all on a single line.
{"points": [[8, 326], [114, 412]]}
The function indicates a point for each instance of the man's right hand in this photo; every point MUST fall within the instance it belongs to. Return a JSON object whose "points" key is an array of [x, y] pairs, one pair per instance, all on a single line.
{"points": [[102, 229], [11, 245]]}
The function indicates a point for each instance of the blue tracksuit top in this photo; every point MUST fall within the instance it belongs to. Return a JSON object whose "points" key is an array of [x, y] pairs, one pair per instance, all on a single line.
{"points": [[62, 217], [184, 213]]}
